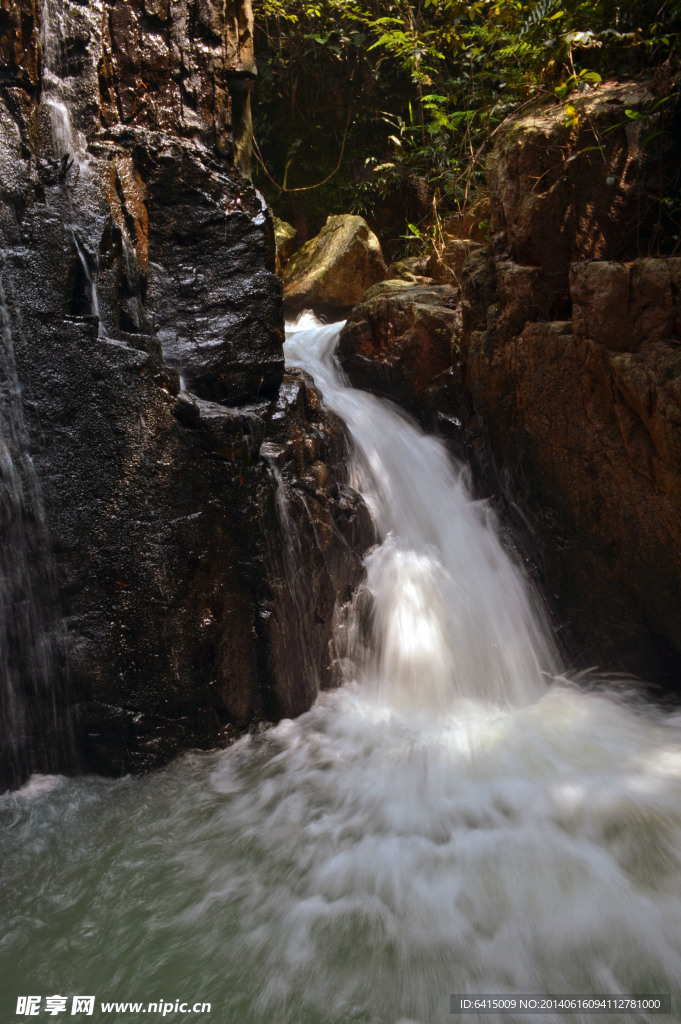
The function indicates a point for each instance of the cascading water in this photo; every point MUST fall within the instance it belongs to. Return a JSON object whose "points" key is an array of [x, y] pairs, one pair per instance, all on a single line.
{"points": [[452, 617], [29, 631], [66, 149], [445, 822], [67, 142], [294, 570], [88, 297], [32, 726]]}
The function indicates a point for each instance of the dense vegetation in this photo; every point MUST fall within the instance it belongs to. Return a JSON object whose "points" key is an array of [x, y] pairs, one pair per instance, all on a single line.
{"points": [[386, 107]]}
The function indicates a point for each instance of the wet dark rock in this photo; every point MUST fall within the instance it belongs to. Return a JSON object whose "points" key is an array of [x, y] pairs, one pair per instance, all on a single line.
{"points": [[187, 493], [399, 338], [325, 525], [216, 300]]}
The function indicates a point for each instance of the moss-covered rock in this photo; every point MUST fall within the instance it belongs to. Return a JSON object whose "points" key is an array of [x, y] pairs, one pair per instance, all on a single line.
{"points": [[331, 272]]}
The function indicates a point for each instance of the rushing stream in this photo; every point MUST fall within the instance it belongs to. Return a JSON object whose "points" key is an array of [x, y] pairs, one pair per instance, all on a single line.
{"points": [[455, 818]]}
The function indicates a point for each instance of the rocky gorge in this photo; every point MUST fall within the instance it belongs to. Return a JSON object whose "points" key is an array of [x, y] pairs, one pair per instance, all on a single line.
{"points": [[352, 660]]}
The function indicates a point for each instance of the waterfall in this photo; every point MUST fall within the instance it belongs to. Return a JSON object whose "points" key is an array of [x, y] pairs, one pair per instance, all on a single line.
{"points": [[88, 301], [286, 553], [68, 143], [454, 819], [452, 616], [67, 148]]}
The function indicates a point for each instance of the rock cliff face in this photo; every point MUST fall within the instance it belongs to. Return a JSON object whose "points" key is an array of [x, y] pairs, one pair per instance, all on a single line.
{"points": [[151, 454], [585, 415], [564, 389]]}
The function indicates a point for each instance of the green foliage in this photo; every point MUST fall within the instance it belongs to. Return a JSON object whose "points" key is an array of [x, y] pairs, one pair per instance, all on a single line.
{"points": [[387, 108]]}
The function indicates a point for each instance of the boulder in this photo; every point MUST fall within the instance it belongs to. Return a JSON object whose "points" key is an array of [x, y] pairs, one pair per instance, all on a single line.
{"points": [[399, 338], [331, 272]]}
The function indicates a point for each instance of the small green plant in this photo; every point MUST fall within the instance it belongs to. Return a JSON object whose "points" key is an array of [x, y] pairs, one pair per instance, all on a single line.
{"points": [[582, 81]]}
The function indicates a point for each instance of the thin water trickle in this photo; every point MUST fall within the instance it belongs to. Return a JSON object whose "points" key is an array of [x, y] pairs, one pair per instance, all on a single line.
{"points": [[67, 149], [445, 822], [67, 142], [29, 628], [89, 281], [287, 550]]}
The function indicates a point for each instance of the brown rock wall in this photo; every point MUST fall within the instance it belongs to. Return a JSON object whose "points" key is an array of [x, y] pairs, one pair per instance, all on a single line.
{"points": [[561, 194], [592, 443], [572, 372], [625, 305]]}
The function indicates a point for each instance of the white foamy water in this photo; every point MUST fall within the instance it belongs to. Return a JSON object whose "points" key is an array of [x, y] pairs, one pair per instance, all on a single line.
{"points": [[453, 617], [450, 820]]}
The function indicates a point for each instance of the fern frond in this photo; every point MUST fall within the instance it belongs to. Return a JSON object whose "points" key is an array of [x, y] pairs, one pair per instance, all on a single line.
{"points": [[540, 12]]}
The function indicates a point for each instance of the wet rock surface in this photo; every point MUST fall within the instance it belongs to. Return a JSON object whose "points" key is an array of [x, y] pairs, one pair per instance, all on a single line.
{"points": [[399, 338], [216, 304], [331, 272], [146, 331], [324, 527]]}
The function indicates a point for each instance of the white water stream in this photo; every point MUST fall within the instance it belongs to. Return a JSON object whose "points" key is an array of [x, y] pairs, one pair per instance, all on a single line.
{"points": [[451, 820], [68, 147], [453, 618], [30, 630], [67, 141]]}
